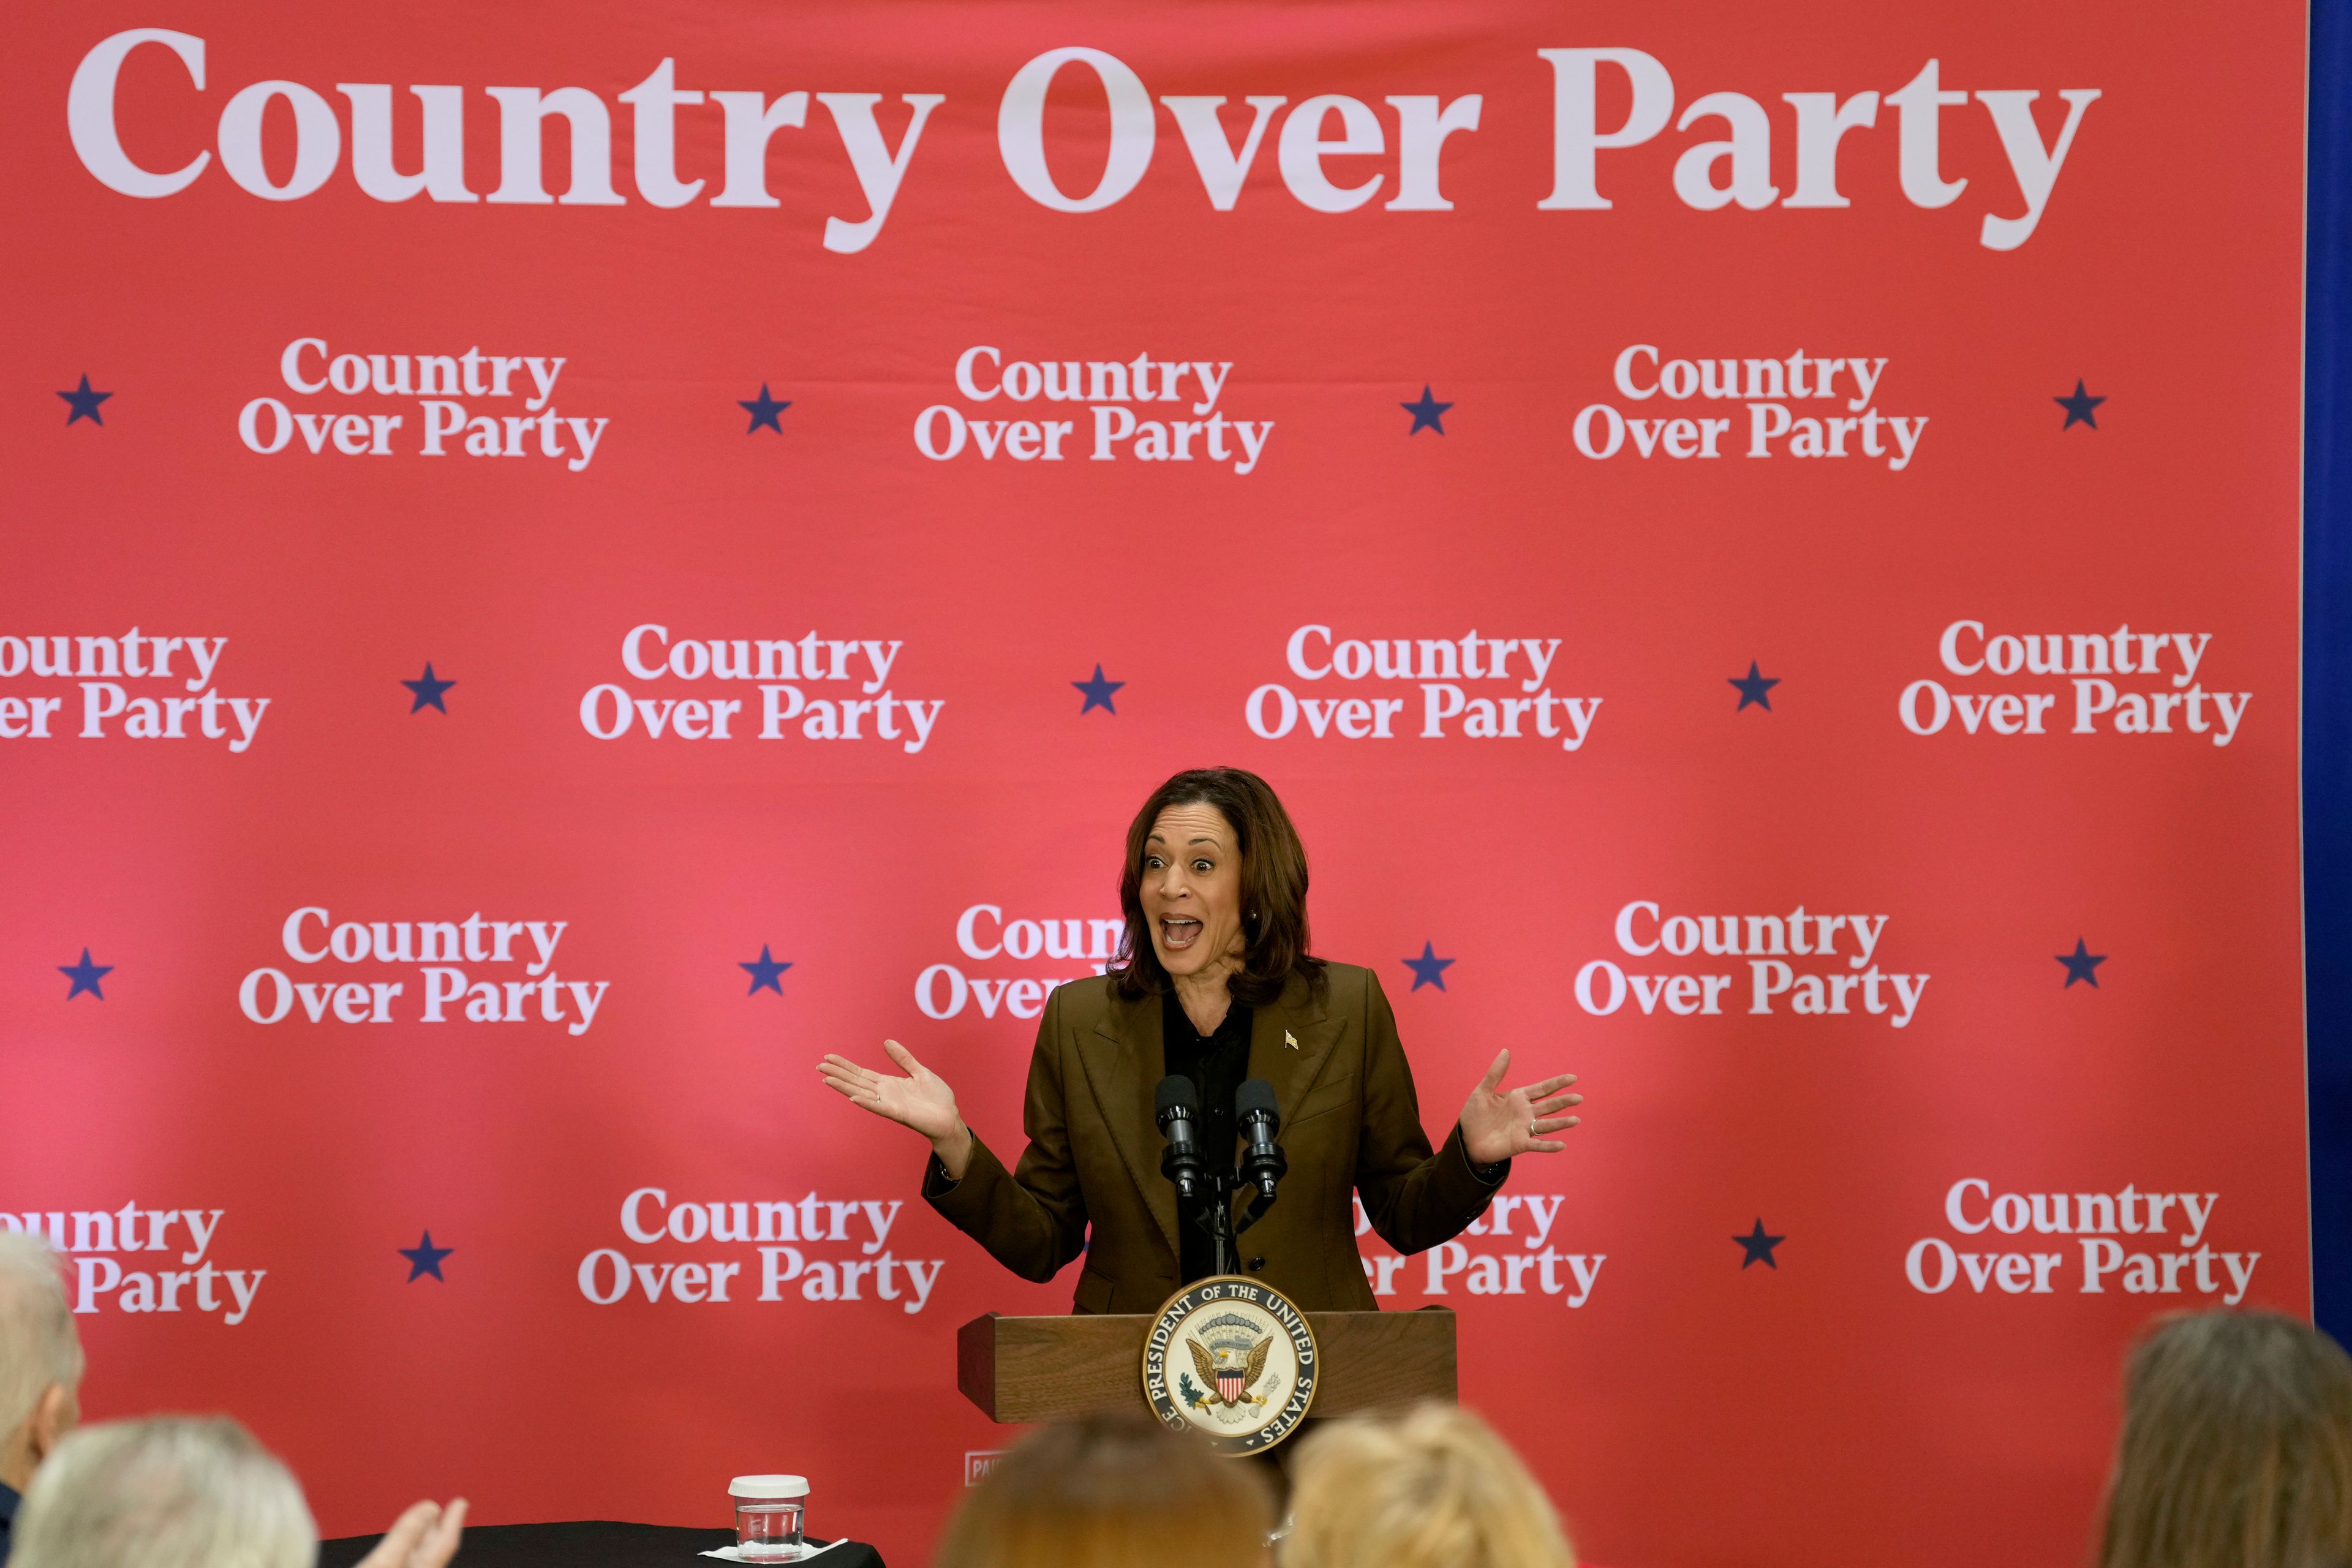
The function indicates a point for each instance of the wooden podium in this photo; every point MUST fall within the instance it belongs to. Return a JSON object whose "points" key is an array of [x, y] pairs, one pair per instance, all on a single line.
{"points": [[1050, 1369]]}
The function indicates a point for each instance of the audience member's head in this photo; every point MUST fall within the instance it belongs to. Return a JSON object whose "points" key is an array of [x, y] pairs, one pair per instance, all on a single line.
{"points": [[2236, 1448], [1111, 1493], [1433, 1489], [176, 1492], [40, 1357]]}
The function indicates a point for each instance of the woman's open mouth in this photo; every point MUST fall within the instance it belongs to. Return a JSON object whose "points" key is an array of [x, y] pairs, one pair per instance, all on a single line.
{"points": [[1176, 934]]}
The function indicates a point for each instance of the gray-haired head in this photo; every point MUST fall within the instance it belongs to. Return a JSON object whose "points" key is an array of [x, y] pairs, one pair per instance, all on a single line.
{"points": [[175, 1491], [38, 1347]]}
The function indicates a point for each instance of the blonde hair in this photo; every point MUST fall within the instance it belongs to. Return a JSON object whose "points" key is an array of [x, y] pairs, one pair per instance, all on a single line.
{"points": [[38, 1347], [1109, 1492], [174, 1491], [2236, 1449], [1435, 1488]]}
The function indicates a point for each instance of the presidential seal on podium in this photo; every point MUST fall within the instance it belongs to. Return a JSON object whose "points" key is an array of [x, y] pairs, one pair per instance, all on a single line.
{"points": [[1232, 1360]]}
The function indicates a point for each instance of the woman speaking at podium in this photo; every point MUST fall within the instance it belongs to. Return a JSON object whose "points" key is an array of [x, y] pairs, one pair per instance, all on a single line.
{"points": [[1214, 984]]}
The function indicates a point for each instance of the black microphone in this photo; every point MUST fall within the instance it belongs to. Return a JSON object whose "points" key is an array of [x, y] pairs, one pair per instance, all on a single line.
{"points": [[1261, 1118], [1176, 1106]]}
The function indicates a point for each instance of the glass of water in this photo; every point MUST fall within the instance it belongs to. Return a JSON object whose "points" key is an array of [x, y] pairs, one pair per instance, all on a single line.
{"points": [[768, 1514]]}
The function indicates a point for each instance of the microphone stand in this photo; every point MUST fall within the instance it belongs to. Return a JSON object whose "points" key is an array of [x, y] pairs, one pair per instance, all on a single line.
{"points": [[1224, 1258], [1224, 1253]]}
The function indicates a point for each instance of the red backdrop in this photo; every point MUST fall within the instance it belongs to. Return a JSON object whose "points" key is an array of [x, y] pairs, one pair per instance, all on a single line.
{"points": [[1769, 680]]}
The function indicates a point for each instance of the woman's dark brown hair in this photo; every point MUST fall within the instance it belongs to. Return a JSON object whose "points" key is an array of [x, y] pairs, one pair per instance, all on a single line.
{"points": [[2236, 1448], [1111, 1492], [1274, 887]]}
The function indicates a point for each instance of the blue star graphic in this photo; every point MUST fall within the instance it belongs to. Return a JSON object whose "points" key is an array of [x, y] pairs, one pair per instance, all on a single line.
{"points": [[2080, 963], [763, 410], [428, 690], [1754, 687], [1098, 692], [85, 976], [424, 1258], [2078, 407], [1758, 1247], [84, 403], [1426, 414], [1428, 969], [764, 972]]}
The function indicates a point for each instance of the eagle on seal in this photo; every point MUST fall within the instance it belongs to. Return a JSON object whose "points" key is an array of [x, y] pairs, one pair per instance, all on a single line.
{"points": [[1224, 1370]]}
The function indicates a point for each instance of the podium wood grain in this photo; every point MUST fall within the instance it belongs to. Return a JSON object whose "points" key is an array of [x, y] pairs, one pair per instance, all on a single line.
{"points": [[1050, 1369]]}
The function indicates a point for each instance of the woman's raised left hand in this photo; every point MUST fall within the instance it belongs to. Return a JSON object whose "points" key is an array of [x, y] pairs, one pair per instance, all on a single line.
{"points": [[1497, 1125]]}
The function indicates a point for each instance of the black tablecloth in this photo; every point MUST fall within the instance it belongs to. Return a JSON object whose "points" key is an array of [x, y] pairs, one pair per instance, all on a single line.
{"points": [[589, 1544]]}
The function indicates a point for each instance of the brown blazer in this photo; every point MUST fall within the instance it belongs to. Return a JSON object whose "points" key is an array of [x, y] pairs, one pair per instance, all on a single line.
{"points": [[1350, 1124]]}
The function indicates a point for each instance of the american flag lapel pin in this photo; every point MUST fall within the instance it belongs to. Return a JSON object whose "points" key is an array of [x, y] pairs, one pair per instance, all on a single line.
{"points": [[1290, 1039]]}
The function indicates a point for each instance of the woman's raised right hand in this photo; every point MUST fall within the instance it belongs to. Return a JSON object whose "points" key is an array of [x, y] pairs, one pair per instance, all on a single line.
{"points": [[922, 1100]]}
